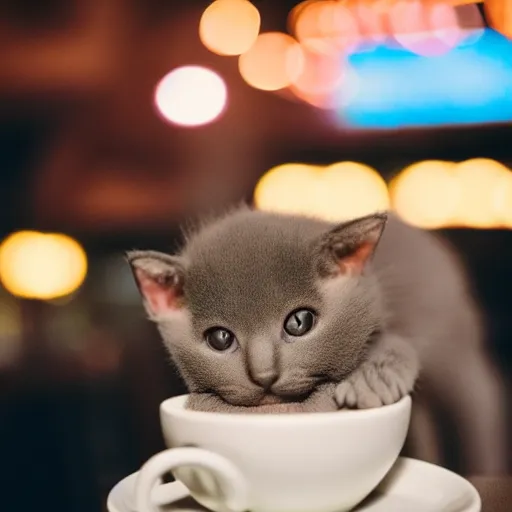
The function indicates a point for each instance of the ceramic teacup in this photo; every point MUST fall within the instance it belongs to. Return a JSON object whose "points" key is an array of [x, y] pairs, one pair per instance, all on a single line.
{"points": [[318, 462]]}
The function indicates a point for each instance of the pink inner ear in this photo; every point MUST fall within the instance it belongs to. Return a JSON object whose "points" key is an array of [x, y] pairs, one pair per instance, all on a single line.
{"points": [[161, 297], [353, 263]]}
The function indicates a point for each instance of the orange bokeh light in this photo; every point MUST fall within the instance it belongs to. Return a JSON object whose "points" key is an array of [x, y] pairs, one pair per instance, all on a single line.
{"points": [[481, 182], [427, 29], [287, 188], [339, 192], [320, 80], [372, 16], [296, 12], [42, 266], [325, 25], [499, 14], [273, 62], [476, 193], [427, 195], [350, 190], [229, 27]]}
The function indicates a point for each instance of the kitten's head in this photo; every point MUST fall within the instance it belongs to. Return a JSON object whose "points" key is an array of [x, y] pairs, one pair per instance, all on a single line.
{"points": [[260, 307]]}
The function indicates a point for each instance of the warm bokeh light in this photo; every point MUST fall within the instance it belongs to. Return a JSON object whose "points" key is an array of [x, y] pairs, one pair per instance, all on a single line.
{"points": [[41, 266], [431, 194], [338, 192], [229, 27], [288, 188], [349, 190], [273, 62], [372, 17], [321, 77], [427, 29], [294, 14], [476, 193], [325, 25], [191, 96], [481, 181], [499, 16], [427, 194]]}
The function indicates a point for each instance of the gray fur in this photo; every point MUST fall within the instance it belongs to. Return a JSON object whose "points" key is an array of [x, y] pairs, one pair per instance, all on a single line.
{"points": [[247, 270]]}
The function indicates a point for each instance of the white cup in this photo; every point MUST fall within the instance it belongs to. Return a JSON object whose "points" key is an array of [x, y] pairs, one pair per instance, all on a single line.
{"points": [[318, 462]]}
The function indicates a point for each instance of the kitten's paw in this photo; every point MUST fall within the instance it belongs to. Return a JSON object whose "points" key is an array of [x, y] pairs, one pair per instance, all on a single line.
{"points": [[373, 386], [355, 394]]}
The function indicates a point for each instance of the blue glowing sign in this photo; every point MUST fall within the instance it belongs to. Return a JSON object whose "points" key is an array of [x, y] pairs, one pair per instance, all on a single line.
{"points": [[395, 88]]}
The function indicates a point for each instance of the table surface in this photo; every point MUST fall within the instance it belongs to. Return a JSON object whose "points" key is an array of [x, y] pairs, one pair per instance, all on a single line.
{"points": [[496, 492]]}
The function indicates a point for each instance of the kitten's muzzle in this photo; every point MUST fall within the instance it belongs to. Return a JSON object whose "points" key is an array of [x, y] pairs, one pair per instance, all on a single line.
{"points": [[271, 400], [265, 379], [297, 389], [287, 396]]}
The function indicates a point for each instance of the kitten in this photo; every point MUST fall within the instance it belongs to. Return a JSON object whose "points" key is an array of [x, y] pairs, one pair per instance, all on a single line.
{"points": [[268, 310], [272, 313]]}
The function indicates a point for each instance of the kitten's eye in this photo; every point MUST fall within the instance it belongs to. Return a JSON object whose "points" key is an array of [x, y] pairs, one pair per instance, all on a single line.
{"points": [[299, 322], [219, 339]]}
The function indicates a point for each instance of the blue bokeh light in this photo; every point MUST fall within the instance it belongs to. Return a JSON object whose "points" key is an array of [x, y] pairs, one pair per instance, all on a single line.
{"points": [[395, 88]]}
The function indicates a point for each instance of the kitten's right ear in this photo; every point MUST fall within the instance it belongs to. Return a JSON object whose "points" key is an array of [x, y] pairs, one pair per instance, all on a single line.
{"points": [[160, 278], [348, 247]]}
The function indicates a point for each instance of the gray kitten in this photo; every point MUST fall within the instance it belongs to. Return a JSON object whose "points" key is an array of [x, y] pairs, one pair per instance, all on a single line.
{"points": [[265, 313], [263, 309]]}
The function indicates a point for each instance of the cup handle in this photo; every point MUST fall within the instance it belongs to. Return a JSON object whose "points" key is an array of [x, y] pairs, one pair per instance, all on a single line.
{"points": [[232, 481]]}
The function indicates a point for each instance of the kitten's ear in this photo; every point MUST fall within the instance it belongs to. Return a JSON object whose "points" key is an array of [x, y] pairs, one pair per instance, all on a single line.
{"points": [[346, 249], [160, 278]]}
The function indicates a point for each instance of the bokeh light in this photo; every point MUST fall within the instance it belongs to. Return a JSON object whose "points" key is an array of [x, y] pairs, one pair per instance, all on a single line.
{"points": [[191, 96], [321, 77], [273, 62], [480, 181], [229, 27], [285, 188], [475, 193], [325, 25], [338, 192], [296, 12], [372, 17], [41, 266], [349, 190], [427, 29], [426, 194], [499, 16]]}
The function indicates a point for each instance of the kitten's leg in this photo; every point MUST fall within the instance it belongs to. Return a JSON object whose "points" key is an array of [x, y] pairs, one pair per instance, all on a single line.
{"points": [[387, 374], [468, 388]]}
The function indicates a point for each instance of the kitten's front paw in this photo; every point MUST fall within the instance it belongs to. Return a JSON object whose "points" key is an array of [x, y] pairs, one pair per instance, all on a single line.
{"points": [[372, 386]]}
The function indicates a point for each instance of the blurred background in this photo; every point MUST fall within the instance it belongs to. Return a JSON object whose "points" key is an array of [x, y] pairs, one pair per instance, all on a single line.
{"points": [[120, 119]]}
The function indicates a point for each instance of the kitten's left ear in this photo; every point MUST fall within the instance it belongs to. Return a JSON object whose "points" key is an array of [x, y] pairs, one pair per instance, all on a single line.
{"points": [[346, 249], [160, 278]]}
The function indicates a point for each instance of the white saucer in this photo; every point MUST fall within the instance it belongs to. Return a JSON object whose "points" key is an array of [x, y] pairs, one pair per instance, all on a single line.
{"points": [[411, 485]]}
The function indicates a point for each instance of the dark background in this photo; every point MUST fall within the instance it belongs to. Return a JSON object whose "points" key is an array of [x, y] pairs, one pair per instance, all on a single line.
{"points": [[79, 392]]}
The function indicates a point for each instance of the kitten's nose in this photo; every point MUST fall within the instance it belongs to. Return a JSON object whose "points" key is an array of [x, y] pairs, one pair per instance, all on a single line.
{"points": [[265, 379]]}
